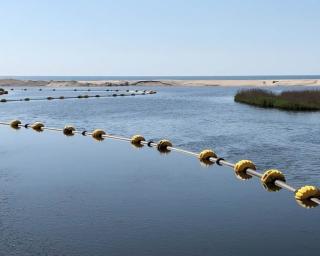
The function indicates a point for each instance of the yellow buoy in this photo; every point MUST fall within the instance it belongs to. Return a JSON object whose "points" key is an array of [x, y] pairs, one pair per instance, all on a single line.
{"points": [[68, 130], [307, 203], [136, 139], [163, 145], [37, 126], [306, 192], [206, 154], [98, 134], [271, 175], [15, 124], [243, 165]]}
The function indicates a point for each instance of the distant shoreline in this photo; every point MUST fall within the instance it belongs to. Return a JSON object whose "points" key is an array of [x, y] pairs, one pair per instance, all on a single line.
{"points": [[164, 82], [162, 78]]}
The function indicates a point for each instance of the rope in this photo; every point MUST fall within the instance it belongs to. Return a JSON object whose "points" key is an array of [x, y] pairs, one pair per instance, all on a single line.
{"points": [[73, 90], [139, 93], [273, 180]]}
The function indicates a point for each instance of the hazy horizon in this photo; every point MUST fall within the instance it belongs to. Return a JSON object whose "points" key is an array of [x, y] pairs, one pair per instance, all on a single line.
{"points": [[259, 75], [128, 78], [167, 38]]}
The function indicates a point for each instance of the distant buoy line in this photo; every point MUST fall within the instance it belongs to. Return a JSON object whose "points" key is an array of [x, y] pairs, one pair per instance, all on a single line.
{"points": [[123, 94], [69, 89], [272, 180]]}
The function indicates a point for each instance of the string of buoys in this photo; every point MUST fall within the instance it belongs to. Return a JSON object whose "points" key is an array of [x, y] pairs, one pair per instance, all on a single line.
{"points": [[3, 91], [70, 90], [123, 94], [272, 180]]}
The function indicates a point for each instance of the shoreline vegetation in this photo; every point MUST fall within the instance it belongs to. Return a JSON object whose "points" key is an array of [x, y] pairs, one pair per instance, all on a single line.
{"points": [[195, 83], [306, 100]]}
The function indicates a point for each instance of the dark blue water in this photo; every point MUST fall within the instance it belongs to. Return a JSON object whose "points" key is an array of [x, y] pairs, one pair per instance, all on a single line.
{"points": [[94, 78]]}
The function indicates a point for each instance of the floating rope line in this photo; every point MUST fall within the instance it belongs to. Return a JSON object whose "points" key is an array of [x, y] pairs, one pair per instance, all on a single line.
{"points": [[272, 180], [133, 93], [73, 90]]}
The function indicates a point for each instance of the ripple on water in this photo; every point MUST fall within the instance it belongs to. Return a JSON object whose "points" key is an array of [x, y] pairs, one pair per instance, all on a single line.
{"points": [[194, 118]]}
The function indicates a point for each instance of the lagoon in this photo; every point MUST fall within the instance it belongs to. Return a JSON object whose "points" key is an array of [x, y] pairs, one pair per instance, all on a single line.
{"points": [[193, 118], [76, 196]]}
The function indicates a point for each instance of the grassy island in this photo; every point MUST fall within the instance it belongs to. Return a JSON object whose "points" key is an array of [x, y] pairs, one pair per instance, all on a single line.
{"points": [[307, 100]]}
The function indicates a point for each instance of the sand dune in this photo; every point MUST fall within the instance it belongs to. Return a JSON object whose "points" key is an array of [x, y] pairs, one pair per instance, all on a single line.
{"points": [[256, 83]]}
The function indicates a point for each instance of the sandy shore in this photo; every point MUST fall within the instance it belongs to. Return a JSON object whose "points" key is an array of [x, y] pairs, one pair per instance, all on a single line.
{"points": [[256, 83]]}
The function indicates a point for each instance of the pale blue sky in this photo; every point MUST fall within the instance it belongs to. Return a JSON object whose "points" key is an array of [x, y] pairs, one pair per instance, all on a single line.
{"points": [[140, 37]]}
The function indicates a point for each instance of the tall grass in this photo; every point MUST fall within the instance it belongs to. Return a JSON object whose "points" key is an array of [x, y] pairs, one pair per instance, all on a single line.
{"points": [[307, 100]]}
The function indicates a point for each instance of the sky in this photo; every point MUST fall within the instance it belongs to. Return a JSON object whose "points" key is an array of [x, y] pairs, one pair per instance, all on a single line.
{"points": [[150, 37]]}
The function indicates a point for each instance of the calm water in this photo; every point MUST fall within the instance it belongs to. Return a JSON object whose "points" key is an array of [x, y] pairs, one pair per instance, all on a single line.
{"points": [[193, 118], [75, 196]]}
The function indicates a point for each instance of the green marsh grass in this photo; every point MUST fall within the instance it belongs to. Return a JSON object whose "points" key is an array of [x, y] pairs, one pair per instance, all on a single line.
{"points": [[307, 100]]}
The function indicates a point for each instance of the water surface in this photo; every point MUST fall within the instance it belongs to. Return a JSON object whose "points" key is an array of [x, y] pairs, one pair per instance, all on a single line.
{"points": [[193, 118], [76, 196]]}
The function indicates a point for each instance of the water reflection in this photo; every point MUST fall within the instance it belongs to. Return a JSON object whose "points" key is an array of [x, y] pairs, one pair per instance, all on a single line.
{"points": [[271, 187], [242, 175]]}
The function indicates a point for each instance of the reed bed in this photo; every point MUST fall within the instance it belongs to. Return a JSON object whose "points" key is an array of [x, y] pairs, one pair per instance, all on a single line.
{"points": [[306, 100]]}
